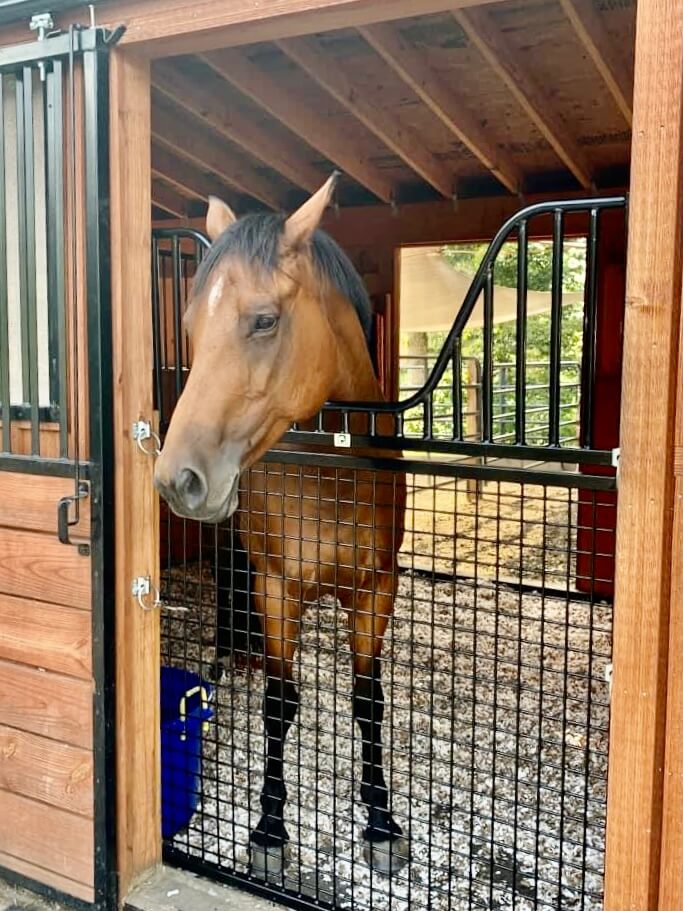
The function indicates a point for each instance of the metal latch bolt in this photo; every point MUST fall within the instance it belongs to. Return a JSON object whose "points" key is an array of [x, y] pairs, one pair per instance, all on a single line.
{"points": [[342, 440]]}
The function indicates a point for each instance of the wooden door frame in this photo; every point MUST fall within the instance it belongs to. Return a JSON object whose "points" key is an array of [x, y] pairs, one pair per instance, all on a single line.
{"points": [[643, 589]]}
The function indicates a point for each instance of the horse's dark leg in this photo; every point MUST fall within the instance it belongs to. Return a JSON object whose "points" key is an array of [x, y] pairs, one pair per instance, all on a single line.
{"points": [[386, 848], [280, 704]]}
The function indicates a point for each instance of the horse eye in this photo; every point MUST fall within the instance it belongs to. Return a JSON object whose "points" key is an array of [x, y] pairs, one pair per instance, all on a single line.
{"points": [[264, 323]]}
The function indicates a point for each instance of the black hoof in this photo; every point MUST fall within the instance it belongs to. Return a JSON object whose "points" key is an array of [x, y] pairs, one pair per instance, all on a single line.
{"points": [[268, 862], [387, 857]]}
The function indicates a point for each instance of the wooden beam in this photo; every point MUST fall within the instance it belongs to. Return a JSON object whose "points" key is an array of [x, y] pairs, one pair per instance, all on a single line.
{"points": [[671, 878], [164, 197], [642, 609], [160, 28], [402, 139], [285, 106], [191, 140], [206, 99], [188, 180], [602, 50], [138, 787], [442, 99], [532, 98]]}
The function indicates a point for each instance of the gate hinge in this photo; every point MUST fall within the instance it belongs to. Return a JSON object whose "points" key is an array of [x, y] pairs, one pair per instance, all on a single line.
{"points": [[141, 431], [616, 457]]}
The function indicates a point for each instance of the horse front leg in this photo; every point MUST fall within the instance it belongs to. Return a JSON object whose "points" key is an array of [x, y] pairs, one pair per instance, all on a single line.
{"points": [[269, 839], [386, 849]]}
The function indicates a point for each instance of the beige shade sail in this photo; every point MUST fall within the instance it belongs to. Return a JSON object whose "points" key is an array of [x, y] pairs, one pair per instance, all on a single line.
{"points": [[432, 292]]}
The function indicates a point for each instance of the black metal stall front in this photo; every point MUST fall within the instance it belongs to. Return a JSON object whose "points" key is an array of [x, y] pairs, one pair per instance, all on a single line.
{"points": [[54, 153], [496, 662]]}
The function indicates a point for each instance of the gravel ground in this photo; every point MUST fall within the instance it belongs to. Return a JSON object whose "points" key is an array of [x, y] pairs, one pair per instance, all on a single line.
{"points": [[496, 713]]}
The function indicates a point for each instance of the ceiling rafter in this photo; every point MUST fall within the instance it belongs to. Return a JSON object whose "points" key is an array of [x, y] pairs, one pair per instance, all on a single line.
{"points": [[508, 64], [186, 178], [191, 140], [277, 152], [442, 99], [604, 53], [401, 138], [282, 104], [166, 198]]}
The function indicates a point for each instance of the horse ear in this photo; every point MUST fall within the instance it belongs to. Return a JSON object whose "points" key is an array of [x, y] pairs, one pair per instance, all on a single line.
{"points": [[301, 224], [218, 217]]}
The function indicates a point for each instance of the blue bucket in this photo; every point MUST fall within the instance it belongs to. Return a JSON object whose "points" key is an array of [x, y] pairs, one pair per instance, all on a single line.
{"points": [[185, 713]]}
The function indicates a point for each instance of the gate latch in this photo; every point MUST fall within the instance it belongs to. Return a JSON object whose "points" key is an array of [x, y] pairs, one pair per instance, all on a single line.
{"points": [[141, 431], [342, 440], [64, 523]]}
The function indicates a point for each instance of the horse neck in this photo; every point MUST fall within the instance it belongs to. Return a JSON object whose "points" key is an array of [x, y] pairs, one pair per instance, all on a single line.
{"points": [[355, 379]]}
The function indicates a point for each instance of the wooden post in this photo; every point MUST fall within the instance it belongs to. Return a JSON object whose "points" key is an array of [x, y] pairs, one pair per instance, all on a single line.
{"points": [[671, 880], [137, 510], [646, 487]]}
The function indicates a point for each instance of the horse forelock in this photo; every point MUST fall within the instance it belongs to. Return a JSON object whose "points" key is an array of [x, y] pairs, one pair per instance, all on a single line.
{"points": [[255, 239]]}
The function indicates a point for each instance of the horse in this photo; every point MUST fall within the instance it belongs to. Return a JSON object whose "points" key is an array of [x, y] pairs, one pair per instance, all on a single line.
{"points": [[279, 322]]}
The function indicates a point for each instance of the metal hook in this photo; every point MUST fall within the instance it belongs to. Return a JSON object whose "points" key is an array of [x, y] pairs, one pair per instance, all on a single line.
{"points": [[142, 587], [141, 431]]}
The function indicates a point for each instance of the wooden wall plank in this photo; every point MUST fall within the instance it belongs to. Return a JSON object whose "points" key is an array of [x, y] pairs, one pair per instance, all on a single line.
{"points": [[47, 877], [138, 815], [47, 837], [47, 636], [48, 704], [646, 487], [54, 773], [30, 502], [37, 566]]}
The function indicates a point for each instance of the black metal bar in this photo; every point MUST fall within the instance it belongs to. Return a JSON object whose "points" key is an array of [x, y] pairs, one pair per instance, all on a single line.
{"points": [[25, 464], [101, 437], [30, 300], [4, 315], [487, 368], [22, 234], [520, 333], [177, 315], [590, 330], [156, 329], [556, 329], [457, 390], [54, 152], [57, 46], [461, 448], [413, 466]]}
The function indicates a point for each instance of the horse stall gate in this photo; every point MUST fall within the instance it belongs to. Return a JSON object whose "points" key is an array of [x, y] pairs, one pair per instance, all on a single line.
{"points": [[497, 658], [56, 589]]}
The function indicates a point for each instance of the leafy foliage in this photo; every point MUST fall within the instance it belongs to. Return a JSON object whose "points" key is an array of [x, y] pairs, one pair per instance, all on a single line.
{"points": [[467, 258]]}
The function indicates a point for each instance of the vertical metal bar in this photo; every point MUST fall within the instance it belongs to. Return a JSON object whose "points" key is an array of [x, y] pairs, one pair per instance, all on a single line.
{"points": [[487, 376], [177, 314], [589, 331], [101, 427], [55, 249], [31, 315], [4, 316], [556, 330], [22, 236], [156, 330], [520, 334], [456, 388]]}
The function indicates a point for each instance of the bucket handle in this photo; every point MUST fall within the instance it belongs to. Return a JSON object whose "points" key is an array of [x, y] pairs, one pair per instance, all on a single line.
{"points": [[182, 711]]}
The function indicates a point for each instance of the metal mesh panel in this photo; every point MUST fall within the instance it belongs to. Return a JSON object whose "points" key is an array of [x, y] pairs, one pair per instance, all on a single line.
{"points": [[496, 700]]}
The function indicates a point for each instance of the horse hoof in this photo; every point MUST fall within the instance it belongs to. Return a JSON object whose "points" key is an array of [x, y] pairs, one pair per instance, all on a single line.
{"points": [[268, 862], [387, 857]]}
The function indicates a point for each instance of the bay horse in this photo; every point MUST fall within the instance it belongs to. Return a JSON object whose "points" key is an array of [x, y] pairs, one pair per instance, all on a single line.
{"points": [[279, 321]]}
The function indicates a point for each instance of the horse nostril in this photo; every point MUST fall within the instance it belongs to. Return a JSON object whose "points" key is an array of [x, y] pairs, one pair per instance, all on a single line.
{"points": [[191, 487]]}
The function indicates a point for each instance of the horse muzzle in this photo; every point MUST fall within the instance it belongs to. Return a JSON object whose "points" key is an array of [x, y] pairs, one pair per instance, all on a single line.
{"points": [[189, 495]]}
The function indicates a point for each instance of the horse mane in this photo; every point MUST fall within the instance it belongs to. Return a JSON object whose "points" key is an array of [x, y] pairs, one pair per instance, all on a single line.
{"points": [[256, 238]]}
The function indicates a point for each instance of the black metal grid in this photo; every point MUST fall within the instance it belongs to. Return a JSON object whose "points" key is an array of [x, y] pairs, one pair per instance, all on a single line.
{"points": [[496, 709]]}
